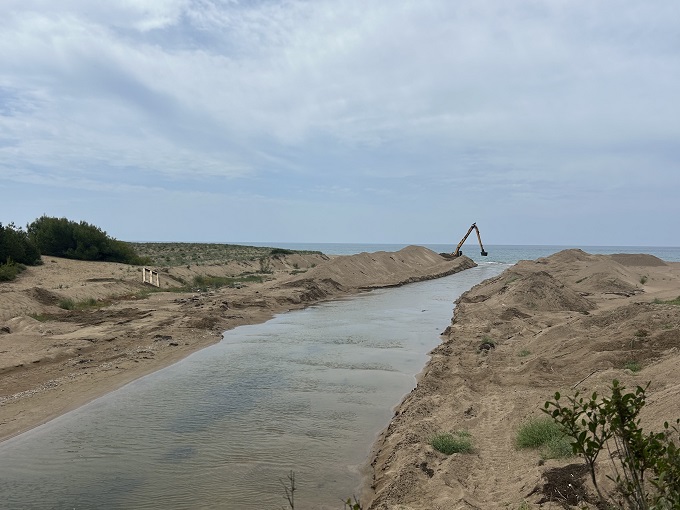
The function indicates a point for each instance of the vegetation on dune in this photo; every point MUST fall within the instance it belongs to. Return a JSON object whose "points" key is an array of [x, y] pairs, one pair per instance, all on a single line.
{"points": [[17, 251], [205, 283], [644, 465], [181, 254], [61, 237], [675, 301], [452, 442], [545, 435]]}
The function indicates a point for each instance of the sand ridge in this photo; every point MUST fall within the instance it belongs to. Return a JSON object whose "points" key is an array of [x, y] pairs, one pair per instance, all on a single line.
{"points": [[567, 321], [53, 360]]}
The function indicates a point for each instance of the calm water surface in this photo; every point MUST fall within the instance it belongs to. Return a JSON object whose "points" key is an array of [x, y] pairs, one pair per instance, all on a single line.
{"points": [[307, 391]]}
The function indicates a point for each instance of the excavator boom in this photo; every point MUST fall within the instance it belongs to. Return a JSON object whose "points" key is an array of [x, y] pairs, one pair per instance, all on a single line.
{"points": [[458, 253]]}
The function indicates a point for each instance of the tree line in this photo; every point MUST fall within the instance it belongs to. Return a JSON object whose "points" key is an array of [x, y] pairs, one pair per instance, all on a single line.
{"points": [[58, 237]]}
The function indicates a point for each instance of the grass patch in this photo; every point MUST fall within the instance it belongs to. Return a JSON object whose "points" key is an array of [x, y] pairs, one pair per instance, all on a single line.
{"points": [[205, 283], [675, 301], [40, 317], [545, 435], [486, 344], [523, 353], [10, 271], [70, 304], [643, 280], [633, 366], [450, 443]]}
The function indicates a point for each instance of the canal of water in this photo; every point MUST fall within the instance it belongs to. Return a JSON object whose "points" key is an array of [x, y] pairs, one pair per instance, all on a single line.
{"points": [[307, 391]]}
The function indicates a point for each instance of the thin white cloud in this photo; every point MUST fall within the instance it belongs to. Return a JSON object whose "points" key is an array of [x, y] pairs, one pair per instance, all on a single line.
{"points": [[525, 96]]}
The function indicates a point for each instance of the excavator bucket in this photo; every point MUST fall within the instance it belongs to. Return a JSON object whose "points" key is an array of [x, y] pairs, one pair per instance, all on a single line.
{"points": [[484, 253]]}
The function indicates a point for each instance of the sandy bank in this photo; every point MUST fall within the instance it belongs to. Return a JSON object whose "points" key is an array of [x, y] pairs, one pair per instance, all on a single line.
{"points": [[572, 320], [54, 360]]}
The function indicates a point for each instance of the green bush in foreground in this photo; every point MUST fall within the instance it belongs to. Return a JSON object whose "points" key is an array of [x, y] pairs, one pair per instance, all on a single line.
{"points": [[449, 443], [10, 271], [544, 434], [647, 473]]}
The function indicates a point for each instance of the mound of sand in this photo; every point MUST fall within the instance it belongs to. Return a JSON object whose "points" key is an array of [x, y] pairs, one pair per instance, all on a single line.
{"points": [[548, 337]]}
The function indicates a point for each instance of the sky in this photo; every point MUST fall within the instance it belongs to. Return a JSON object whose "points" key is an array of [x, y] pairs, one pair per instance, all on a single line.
{"points": [[369, 121]]}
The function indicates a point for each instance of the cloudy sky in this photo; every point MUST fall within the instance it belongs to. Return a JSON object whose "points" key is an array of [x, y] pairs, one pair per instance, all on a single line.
{"points": [[546, 122]]}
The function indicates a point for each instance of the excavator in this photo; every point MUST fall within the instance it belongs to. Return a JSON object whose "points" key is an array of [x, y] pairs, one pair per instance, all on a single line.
{"points": [[458, 252]]}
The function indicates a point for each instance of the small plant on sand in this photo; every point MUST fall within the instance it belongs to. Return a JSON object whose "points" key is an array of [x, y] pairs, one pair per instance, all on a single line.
{"points": [[452, 442], [486, 344], [265, 265], [643, 280], [66, 304], [523, 353], [40, 317], [70, 304], [641, 333], [633, 366], [546, 435], [645, 465], [675, 301]]}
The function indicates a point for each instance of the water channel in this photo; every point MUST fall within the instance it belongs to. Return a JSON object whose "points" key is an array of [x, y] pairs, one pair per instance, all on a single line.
{"points": [[307, 391]]}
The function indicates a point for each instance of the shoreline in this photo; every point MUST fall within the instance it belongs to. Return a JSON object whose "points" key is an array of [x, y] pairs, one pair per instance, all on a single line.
{"points": [[94, 352], [561, 323]]}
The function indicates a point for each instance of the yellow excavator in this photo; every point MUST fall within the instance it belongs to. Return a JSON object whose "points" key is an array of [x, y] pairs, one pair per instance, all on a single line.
{"points": [[458, 253]]}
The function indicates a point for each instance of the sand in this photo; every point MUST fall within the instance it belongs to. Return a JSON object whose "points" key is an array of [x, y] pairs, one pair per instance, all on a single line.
{"points": [[564, 323], [53, 360]]}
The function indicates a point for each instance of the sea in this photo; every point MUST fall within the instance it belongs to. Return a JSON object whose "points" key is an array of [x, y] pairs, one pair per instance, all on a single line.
{"points": [[502, 253], [307, 393]]}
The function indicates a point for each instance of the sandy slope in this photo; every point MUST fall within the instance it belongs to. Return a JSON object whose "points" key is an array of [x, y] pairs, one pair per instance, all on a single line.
{"points": [[571, 320], [66, 358]]}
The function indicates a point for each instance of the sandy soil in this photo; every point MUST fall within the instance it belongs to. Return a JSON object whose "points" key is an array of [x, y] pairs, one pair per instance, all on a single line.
{"points": [[564, 323], [53, 360]]}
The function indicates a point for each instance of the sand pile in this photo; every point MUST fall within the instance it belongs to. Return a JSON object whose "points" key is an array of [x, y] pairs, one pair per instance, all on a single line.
{"points": [[568, 321]]}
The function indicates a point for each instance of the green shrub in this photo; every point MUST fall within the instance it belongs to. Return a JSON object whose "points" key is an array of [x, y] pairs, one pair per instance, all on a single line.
{"points": [[66, 304], [16, 249], [523, 353], [449, 443], [648, 475], [276, 252], [60, 237], [633, 366], [70, 304], [643, 280]]}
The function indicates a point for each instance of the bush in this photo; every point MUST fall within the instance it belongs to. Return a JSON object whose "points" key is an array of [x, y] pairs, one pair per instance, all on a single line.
{"points": [[10, 270], [60, 237], [449, 443], [648, 470], [16, 249]]}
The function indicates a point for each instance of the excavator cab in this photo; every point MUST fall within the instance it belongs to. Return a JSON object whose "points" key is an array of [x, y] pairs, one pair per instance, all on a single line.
{"points": [[458, 251]]}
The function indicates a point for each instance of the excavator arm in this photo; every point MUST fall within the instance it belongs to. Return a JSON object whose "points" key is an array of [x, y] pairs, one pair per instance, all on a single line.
{"points": [[458, 253]]}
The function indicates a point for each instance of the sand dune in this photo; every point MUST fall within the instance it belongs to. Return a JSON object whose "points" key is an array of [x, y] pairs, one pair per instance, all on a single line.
{"points": [[572, 320]]}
